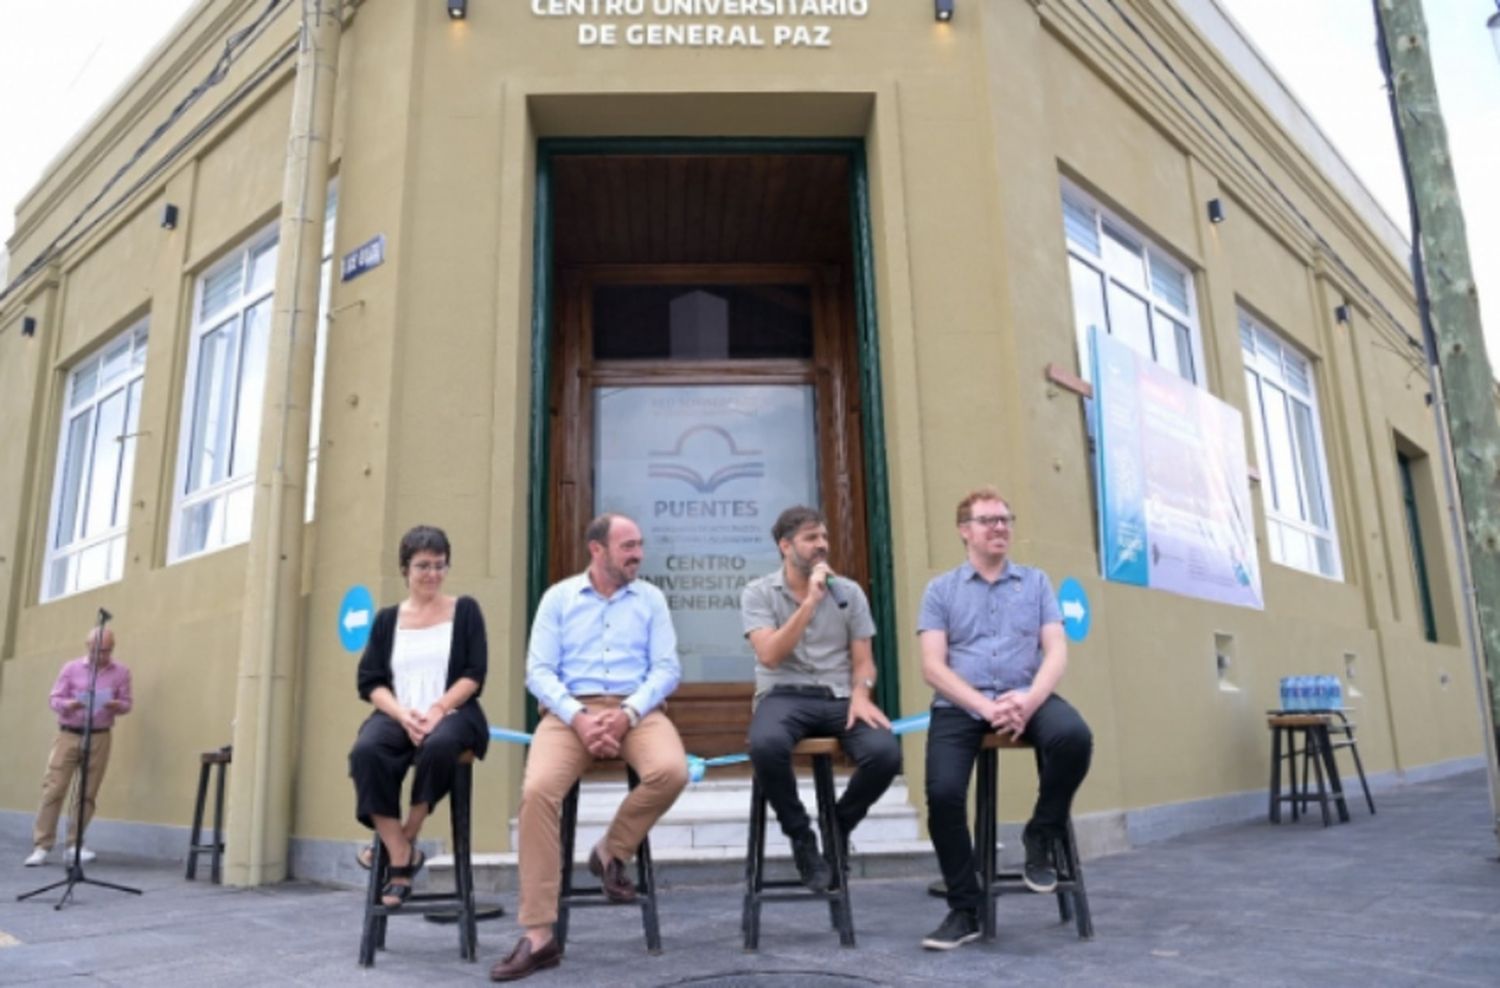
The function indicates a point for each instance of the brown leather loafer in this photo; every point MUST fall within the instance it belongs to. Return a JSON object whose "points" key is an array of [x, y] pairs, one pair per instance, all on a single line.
{"points": [[523, 961], [611, 874]]}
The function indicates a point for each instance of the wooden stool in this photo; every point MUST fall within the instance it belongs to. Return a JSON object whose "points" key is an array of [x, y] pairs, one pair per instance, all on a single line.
{"points": [[572, 896], [822, 751], [1343, 727], [196, 846], [459, 902], [1313, 728], [1072, 896]]}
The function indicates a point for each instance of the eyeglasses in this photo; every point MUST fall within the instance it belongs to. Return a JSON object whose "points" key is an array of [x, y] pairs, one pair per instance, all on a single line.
{"points": [[993, 521], [430, 567]]}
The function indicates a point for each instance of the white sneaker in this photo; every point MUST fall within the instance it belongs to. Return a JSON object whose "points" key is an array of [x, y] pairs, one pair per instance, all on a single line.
{"points": [[84, 856], [38, 856]]}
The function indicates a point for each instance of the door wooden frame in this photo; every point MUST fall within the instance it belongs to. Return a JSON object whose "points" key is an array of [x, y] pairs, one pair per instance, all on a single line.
{"points": [[876, 522]]}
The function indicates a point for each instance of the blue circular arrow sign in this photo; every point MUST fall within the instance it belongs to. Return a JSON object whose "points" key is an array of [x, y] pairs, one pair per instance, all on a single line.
{"points": [[356, 615], [1074, 604]]}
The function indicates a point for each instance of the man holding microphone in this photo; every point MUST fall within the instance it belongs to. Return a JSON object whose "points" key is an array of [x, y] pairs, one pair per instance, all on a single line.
{"points": [[814, 677]]}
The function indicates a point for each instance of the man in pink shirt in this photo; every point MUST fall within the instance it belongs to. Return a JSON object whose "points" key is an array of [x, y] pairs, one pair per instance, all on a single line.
{"points": [[71, 702]]}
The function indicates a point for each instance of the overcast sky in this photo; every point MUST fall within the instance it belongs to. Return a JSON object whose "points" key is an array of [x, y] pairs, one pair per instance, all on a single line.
{"points": [[60, 62]]}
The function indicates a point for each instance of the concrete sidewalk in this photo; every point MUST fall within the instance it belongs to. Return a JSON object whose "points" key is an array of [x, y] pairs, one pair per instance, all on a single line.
{"points": [[1411, 896]]}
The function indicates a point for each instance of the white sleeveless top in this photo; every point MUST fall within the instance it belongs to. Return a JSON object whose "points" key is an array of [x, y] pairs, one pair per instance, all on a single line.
{"points": [[419, 664]]}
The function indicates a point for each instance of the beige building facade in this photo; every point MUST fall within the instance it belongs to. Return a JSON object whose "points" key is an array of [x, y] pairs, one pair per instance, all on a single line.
{"points": [[558, 229]]}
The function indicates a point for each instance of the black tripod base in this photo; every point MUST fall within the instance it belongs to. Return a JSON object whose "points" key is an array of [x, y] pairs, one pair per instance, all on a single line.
{"points": [[75, 877]]}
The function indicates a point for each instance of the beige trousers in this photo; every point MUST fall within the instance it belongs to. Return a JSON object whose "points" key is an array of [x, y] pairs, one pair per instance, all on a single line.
{"points": [[557, 760], [66, 756]]}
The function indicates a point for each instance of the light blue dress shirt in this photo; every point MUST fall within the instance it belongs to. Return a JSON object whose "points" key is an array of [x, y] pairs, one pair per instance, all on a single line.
{"points": [[584, 644]]}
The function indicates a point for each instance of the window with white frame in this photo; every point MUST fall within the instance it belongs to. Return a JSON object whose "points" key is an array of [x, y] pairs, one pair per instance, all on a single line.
{"points": [[95, 464], [1128, 287], [225, 389], [1283, 408]]}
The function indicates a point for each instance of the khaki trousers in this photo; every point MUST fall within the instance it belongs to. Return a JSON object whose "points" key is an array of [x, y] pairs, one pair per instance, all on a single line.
{"points": [[67, 754], [557, 760]]}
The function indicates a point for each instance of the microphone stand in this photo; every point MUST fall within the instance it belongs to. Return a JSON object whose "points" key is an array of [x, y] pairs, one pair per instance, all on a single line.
{"points": [[75, 869]]}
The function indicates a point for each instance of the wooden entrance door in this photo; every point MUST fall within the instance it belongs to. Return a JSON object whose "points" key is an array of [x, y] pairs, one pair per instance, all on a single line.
{"points": [[702, 400]]}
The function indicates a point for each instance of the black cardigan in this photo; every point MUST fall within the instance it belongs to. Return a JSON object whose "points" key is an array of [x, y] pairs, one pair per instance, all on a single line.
{"points": [[467, 657]]}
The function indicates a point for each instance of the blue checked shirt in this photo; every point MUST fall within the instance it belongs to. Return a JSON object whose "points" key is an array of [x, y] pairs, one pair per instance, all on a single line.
{"points": [[994, 629], [583, 644]]}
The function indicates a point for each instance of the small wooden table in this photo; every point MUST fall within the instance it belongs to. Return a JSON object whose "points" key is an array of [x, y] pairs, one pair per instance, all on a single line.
{"points": [[1313, 726]]}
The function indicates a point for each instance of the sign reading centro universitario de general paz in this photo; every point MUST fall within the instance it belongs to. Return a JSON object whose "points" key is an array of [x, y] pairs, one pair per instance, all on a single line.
{"points": [[1174, 499], [703, 23]]}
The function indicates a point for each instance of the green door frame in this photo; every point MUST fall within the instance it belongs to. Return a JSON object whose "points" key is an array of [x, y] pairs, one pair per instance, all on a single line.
{"points": [[877, 501]]}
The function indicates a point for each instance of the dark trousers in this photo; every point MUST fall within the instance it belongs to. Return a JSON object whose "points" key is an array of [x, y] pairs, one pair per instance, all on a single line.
{"points": [[382, 754], [1065, 744], [782, 719]]}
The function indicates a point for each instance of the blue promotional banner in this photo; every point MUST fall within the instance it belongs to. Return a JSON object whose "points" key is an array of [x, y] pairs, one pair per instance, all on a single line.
{"points": [[1173, 493]]}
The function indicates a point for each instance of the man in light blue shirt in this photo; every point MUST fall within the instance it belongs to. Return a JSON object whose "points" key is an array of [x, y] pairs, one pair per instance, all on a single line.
{"points": [[602, 659]]}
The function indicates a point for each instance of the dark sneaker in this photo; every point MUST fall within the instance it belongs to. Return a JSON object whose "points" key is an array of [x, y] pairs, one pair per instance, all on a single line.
{"points": [[1040, 872], [811, 867], [960, 927]]}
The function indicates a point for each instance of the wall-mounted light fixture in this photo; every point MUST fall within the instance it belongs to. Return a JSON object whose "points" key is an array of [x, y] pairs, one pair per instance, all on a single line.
{"points": [[1216, 211], [28, 325], [1341, 314], [458, 9], [943, 10], [169, 217]]}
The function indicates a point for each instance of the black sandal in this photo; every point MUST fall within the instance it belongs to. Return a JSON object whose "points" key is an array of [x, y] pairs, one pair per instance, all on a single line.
{"points": [[407, 871]]}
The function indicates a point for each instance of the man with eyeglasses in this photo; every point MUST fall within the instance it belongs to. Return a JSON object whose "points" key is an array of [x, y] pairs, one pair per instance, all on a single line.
{"points": [[993, 650], [75, 707], [601, 663]]}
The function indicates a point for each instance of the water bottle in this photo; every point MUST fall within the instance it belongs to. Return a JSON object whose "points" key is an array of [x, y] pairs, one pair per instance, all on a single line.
{"points": [[1338, 693], [1286, 692], [1294, 693], [1304, 693]]}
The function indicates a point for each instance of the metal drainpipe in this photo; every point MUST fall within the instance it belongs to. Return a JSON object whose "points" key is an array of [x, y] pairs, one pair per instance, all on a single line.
{"points": [[259, 830]]}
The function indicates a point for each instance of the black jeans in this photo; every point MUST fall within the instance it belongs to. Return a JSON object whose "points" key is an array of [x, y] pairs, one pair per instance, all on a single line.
{"points": [[782, 719], [1066, 745], [383, 752]]}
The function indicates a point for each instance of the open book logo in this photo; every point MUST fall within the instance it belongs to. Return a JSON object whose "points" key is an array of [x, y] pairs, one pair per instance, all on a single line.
{"points": [[691, 473]]}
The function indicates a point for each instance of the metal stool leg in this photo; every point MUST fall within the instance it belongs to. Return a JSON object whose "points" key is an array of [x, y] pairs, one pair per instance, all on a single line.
{"points": [[569, 826], [1359, 767], [216, 856], [645, 881], [1079, 893], [195, 836], [840, 913], [459, 812], [755, 863], [987, 768], [372, 934], [1275, 808]]}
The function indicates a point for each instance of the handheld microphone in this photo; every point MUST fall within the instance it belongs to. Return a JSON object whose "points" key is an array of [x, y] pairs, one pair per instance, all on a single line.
{"points": [[105, 615], [838, 598]]}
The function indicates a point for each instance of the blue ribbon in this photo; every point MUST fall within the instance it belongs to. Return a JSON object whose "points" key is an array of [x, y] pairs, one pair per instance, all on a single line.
{"points": [[698, 767]]}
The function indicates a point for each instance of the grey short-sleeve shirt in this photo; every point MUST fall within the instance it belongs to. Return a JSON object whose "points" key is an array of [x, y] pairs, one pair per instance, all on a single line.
{"points": [[821, 658], [994, 629]]}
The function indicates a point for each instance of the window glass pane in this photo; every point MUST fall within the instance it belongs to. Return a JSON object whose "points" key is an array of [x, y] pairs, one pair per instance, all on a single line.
{"points": [[60, 576], [75, 453], [239, 509], [208, 455], [1169, 283], [702, 322], [104, 465], [1258, 430], [262, 269], [1247, 337], [127, 452], [138, 350], [1079, 225], [1184, 340], [116, 361], [1327, 564], [1122, 257], [1129, 321], [219, 289], [1297, 378], [1310, 456], [199, 524], [330, 213], [1296, 550], [1088, 307], [252, 389], [93, 566], [1283, 463], [85, 383]]}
